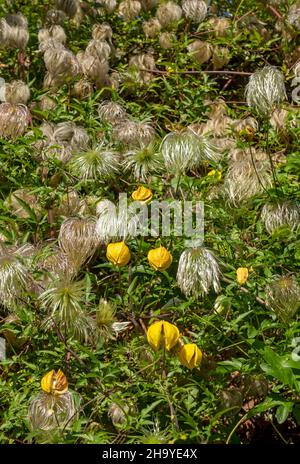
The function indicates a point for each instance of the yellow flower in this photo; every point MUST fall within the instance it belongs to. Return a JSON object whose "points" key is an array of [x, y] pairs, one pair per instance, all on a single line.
{"points": [[55, 382], [242, 275], [190, 355], [142, 194], [215, 173], [160, 258], [118, 253], [162, 333]]}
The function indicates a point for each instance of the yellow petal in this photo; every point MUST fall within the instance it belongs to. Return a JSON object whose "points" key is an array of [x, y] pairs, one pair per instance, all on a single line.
{"points": [[118, 253], [171, 335], [46, 382], [142, 194], [54, 382], [160, 258], [162, 333], [242, 275], [190, 355]]}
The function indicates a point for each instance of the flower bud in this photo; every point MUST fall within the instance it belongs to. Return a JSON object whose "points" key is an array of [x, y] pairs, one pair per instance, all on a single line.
{"points": [[142, 194], [160, 258], [162, 333], [242, 274], [190, 355], [54, 383], [118, 253]]}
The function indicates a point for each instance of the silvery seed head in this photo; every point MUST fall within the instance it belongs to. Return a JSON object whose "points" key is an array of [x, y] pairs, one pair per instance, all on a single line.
{"points": [[64, 301], [60, 61], [200, 51], [116, 223], [283, 297], [198, 272], [98, 164], [51, 412], [14, 120], [102, 32], [77, 239], [186, 150], [195, 10], [168, 13], [14, 31], [129, 9], [285, 213], [151, 27], [220, 57], [14, 276], [16, 92], [93, 69], [82, 89], [167, 40], [112, 112], [54, 32], [141, 63], [132, 133], [99, 49], [247, 176], [266, 90], [143, 161]]}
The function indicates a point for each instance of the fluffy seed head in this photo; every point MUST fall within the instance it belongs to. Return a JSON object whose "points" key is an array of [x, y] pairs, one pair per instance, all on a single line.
{"points": [[115, 223], [129, 9], [112, 112], [102, 32], [168, 13], [283, 297], [98, 164], [151, 28], [200, 51], [265, 90], [132, 133], [16, 92], [54, 32], [14, 120], [77, 239], [70, 7], [143, 161], [194, 10], [198, 272], [49, 412], [247, 176], [140, 63], [167, 40], [286, 213]]}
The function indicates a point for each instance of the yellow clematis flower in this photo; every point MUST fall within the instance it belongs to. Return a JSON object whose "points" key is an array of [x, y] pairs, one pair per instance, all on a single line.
{"points": [[160, 258], [242, 274], [118, 253], [215, 173], [162, 333], [142, 194], [190, 355], [55, 382]]}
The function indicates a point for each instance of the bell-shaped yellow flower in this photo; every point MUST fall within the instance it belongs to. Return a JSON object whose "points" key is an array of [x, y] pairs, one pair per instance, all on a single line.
{"points": [[118, 253], [215, 173], [242, 274], [142, 194], [162, 333], [55, 382], [190, 355], [160, 258]]}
